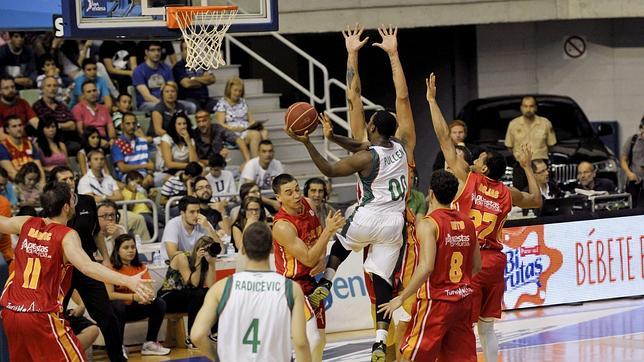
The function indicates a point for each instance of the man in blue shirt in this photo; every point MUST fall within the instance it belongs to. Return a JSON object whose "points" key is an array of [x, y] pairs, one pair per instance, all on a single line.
{"points": [[193, 85], [90, 72], [149, 76], [130, 152]]}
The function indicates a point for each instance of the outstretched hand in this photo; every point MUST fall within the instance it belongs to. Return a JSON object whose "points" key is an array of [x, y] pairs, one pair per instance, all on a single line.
{"points": [[389, 42], [390, 307], [326, 125], [352, 38], [142, 287], [303, 138], [431, 87], [335, 221], [525, 156]]}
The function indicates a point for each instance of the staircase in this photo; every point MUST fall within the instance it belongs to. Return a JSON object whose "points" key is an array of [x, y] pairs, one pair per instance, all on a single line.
{"points": [[265, 107]]}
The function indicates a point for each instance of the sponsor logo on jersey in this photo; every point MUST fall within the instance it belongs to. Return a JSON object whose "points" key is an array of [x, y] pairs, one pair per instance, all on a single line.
{"points": [[529, 266], [21, 308], [462, 291], [481, 201], [35, 249], [455, 241]]}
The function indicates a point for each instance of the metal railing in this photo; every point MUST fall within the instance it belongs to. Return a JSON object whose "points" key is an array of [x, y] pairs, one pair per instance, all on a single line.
{"points": [[155, 216]]}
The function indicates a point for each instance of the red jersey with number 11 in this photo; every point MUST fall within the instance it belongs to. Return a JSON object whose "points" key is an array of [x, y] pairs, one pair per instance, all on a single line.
{"points": [[451, 279], [41, 278], [488, 202]]}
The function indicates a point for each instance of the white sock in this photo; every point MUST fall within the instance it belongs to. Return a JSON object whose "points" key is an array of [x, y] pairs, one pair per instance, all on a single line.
{"points": [[329, 273], [381, 335], [489, 342]]}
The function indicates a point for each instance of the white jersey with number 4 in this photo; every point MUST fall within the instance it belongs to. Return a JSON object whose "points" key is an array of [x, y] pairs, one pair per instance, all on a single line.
{"points": [[384, 189], [255, 318]]}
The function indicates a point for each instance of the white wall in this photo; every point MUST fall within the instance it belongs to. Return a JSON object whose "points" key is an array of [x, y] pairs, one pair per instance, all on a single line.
{"points": [[314, 16], [608, 82]]}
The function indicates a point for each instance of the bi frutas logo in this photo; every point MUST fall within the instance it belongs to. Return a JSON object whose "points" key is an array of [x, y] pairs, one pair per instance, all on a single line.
{"points": [[529, 265]]}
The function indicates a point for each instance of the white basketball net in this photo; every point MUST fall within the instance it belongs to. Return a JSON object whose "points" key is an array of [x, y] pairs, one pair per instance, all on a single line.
{"points": [[204, 32]]}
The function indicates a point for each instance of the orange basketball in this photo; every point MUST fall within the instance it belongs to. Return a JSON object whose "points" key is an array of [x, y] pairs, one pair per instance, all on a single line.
{"points": [[301, 117]]}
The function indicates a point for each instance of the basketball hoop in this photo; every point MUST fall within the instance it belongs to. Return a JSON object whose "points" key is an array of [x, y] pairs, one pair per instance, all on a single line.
{"points": [[203, 29]]}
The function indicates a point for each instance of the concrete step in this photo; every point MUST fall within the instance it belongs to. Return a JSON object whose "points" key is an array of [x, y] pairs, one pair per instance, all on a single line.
{"points": [[270, 117], [251, 87], [292, 150], [263, 102], [223, 73], [301, 167]]}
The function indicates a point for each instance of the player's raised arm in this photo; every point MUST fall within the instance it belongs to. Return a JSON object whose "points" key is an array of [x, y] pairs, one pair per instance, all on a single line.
{"points": [[75, 254], [350, 144], [12, 225], [532, 198], [455, 163], [406, 130], [298, 327], [427, 232], [286, 235], [354, 93], [206, 318]]}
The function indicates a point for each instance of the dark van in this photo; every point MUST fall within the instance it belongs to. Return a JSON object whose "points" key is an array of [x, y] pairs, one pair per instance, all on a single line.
{"points": [[487, 120]]}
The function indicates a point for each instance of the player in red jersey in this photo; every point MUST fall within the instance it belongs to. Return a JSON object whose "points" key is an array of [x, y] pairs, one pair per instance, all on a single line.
{"points": [[449, 256], [32, 298], [487, 201], [300, 245]]}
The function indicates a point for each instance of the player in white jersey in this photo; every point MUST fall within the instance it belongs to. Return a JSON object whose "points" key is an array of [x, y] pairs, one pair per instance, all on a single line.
{"points": [[260, 311], [381, 165]]}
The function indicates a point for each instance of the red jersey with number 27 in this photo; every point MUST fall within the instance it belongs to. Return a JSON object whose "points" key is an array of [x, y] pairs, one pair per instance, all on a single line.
{"points": [[451, 279], [488, 202], [41, 277], [308, 229]]}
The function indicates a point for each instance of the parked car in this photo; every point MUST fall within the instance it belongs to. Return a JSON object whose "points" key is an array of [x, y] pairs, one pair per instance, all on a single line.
{"points": [[487, 120]]}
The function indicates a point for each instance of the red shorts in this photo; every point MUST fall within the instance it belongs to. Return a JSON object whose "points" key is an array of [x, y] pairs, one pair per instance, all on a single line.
{"points": [[308, 286], [489, 285], [440, 329], [40, 337]]}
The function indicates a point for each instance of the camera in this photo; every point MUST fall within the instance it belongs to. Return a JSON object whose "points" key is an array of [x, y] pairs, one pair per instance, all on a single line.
{"points": [[214, 249]]}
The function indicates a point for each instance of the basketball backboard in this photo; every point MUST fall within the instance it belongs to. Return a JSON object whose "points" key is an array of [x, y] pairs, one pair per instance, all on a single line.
{"points": [[146, 19]]}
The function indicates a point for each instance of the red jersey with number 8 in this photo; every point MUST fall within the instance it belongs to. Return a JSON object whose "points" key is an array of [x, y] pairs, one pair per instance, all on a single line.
{"points": [[41, 278], [488, 202], [451, 279]]}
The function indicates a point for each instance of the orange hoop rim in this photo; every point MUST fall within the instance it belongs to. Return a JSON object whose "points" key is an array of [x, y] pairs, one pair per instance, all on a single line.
{"points": [[172, 11]]}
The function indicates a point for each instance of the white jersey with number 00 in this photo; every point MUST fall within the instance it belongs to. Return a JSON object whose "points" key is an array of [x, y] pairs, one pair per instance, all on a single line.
{"points": [[384, 189], [255, 318]]}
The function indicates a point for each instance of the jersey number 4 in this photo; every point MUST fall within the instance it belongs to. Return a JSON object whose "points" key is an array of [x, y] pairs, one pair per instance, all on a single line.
{"points": [[252, 335], [31, 274]]}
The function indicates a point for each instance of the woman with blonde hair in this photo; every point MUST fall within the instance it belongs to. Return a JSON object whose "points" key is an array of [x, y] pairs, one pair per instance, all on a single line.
{"points": [[232, 113]]}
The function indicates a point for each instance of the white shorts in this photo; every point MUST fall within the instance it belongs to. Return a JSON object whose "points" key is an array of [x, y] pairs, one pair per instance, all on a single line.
{"points": [[383, 232]]}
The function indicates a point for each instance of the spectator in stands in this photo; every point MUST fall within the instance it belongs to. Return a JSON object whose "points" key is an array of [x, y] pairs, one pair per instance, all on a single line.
{"points": [[232, 112], [16, 150], [190, 274], [532, 130], [182, 232], [215, 212], [12, 104], [168, 54], [50, 69], [134, 191], [210, 138], [127, 304], [109, 219], [97, 183], [180, 183], [49, 107], [85, 330], [129, 221], [91, 113], [29, 182], [221, 181], [458, 133], [251, 189], [6, 188], [90, 140], [632, 162], [164, 111], [18, 61], [53, 151], [193, 85], [549, 189], [90, 69], [119, 58], [263, 168], [130, 153], [176, 149], [587, 180], [316, 190], [149, 76], [123, 105], [251, 210]]}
